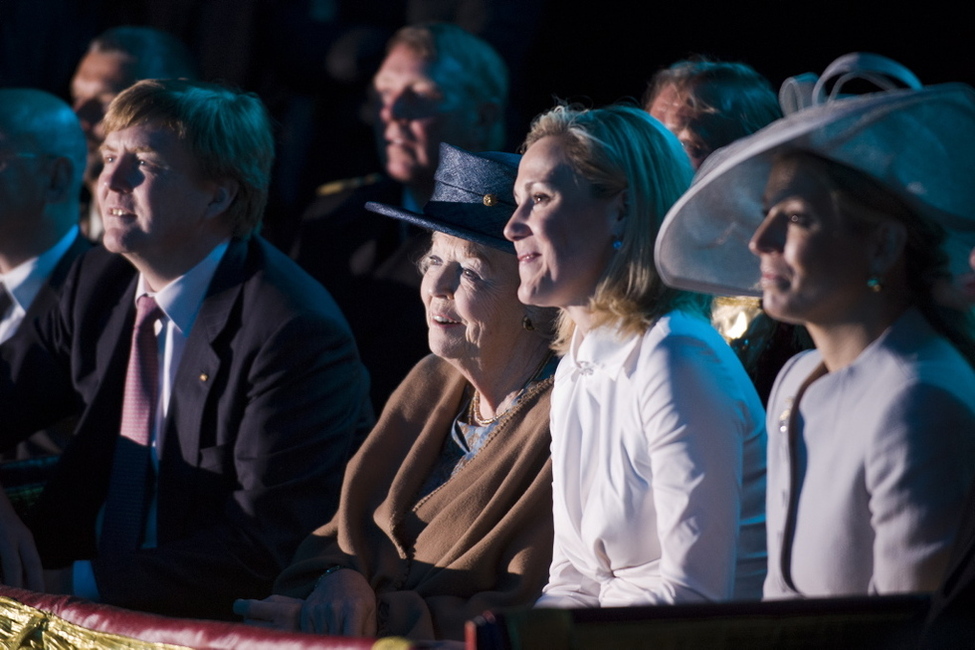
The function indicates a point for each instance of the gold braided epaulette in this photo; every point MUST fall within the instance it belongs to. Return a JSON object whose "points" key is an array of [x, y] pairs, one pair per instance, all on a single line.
{"points": [[347, 184]]}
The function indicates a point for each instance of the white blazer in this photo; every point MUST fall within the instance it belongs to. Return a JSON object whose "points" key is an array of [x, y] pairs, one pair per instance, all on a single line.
{"points": [[658, 450]]}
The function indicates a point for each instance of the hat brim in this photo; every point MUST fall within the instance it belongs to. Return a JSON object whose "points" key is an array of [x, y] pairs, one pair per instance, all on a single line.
{"points": [[908, 140], [435, 213]]}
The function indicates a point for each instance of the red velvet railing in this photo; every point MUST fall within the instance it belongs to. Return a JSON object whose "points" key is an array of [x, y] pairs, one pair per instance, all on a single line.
{"points": [[50, 614]]}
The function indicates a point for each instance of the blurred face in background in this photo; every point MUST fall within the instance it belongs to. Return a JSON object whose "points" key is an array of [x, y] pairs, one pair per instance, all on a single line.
{"points": [[418, 109], [968, 282], [961, 294], [99, 78], [24, 177], [671, 108]]}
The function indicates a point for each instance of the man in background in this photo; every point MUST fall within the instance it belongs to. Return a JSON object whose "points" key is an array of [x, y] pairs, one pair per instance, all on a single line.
{"points": [[42, 161], [115, 60], [438, 83]]}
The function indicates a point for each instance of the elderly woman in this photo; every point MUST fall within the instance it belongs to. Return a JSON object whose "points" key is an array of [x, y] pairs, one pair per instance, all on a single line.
{"points": [[446, 509], [658, 436], [845, 206]]}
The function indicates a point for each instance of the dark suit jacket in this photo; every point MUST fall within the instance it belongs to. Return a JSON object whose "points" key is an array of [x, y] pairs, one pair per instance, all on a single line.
{"points": [[268, 402], [54, 440]]}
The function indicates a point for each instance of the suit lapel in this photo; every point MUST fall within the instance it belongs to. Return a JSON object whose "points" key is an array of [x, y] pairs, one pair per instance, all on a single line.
{"points": [[60, 273], [47, 298], [200, 366]]}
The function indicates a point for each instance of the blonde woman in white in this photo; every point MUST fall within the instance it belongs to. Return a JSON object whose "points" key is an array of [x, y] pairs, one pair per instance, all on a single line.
{"points": [[658, 436]]}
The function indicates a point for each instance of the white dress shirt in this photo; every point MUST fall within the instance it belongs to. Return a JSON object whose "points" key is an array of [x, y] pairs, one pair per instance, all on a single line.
{"points": [[24, 282], [884, 454], [658, 448], [180, 302]]}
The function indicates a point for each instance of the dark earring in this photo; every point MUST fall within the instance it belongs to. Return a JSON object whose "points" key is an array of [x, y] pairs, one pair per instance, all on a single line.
{"points": [[528, 324]]}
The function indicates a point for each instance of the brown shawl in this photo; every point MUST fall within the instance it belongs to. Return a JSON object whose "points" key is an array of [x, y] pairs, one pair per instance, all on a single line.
{"points": [[481, 540]]}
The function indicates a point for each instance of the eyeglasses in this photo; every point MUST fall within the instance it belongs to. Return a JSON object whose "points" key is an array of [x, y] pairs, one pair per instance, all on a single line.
{"points": [[7, 156]]}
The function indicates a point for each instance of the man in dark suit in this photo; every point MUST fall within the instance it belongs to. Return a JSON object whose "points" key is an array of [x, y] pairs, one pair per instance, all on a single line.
{"points": [[229, 409], [42, 162]]}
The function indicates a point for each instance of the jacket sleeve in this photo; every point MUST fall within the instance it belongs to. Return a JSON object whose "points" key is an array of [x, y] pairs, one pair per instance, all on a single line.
{"points": [[567, 586], [36, 389], [921, 463]]}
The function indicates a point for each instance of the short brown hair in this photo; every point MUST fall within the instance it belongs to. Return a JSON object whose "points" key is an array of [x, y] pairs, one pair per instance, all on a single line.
{"points": [[725, 100], [229, 133]]}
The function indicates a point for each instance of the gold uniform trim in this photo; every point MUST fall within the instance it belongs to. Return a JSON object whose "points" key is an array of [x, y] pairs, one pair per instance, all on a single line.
{"points": [[335, 187], [27, 628]]}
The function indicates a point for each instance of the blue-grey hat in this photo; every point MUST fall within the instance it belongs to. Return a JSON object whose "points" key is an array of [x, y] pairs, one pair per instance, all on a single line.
{"points": [[473, 197]]}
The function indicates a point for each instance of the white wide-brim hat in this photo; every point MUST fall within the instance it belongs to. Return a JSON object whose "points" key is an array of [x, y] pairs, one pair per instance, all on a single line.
{"points": [[918, 143]]}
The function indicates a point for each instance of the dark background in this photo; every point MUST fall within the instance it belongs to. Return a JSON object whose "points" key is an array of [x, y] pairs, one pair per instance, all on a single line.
{"points": [[594, 52], [610, 51]]}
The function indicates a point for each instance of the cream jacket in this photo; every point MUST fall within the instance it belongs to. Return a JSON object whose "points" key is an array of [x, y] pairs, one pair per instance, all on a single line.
{"points": [[882, 454], [658, 451]]}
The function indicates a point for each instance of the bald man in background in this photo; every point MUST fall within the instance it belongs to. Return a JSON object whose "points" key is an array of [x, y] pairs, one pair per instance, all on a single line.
{"points": [[42, 162]]}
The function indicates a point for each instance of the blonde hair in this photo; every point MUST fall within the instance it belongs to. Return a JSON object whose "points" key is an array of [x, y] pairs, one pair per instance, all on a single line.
{"points": [[622, 149], [228, 132]]}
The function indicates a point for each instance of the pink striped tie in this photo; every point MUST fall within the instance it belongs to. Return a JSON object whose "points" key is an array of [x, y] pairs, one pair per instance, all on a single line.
{"points": [[125, 506]]}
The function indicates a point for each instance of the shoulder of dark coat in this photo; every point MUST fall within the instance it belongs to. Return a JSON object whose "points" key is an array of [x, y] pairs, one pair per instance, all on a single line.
{"points": [[336, 197]]}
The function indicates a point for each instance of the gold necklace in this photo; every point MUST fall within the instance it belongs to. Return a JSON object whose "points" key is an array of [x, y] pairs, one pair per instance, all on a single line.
{"points": [[474, 408], [473, 415]]}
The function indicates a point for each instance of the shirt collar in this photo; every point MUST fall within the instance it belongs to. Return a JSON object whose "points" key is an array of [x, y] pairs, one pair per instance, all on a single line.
{"points": [[181, 299], [603, 349], [25, 282]]}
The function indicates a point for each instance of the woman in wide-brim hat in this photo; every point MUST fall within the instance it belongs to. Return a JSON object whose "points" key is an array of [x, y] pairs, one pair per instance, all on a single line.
{"points": [[445, 510], [847, 217]]}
